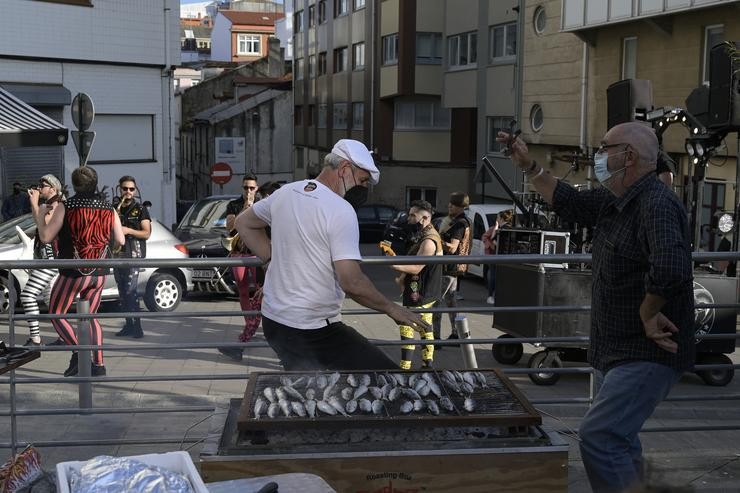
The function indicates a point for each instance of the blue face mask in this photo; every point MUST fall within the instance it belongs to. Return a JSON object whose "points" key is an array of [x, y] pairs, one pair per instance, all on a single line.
{"points": [[601, 170]]}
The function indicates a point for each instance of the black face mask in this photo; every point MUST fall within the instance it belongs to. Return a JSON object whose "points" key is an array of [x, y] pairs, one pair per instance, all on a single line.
{"points": [[356, 196]]}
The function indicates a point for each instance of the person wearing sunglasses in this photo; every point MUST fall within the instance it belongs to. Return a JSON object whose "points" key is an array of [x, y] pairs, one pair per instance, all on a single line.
{"points": [[642, 307], [48, 192], [246, 278], [137, 227]]}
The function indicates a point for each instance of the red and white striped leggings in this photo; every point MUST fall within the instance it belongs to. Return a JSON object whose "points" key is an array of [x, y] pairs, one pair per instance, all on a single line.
{"points": [[63, 295]]}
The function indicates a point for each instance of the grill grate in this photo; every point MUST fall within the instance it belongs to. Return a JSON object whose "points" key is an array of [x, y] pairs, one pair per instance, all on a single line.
{"points": [[497, 402]]}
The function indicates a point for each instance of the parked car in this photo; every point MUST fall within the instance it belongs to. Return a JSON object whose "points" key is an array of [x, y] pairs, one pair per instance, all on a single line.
{"points": [[203, 232], [162, 288], [373, 219]]}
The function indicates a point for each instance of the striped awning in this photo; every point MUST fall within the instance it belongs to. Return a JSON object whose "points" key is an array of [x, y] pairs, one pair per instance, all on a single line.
{"points": [[23, 126]]}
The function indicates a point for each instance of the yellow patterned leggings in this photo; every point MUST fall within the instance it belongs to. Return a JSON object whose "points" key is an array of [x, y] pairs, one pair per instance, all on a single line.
{"points": [[407, 350]]}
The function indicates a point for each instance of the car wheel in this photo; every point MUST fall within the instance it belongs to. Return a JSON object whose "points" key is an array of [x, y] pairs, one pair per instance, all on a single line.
{"points": [[4, 294], [163, 293]]}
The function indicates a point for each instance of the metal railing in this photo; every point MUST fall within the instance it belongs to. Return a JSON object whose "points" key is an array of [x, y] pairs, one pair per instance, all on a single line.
{"points": [[84, 380]]}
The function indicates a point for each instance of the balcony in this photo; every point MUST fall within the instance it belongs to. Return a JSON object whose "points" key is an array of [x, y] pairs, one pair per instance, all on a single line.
{"points": [[581, 15]]}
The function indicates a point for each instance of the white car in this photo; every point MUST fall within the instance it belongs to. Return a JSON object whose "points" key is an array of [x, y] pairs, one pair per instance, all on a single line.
{"points": [[161, 288]]}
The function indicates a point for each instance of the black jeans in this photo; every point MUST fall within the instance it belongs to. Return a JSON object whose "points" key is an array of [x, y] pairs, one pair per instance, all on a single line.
{"points": [[334, 347], [128, 281]]}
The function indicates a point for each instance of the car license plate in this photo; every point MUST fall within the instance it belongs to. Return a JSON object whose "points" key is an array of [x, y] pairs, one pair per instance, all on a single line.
{"points": [[203, 274]]}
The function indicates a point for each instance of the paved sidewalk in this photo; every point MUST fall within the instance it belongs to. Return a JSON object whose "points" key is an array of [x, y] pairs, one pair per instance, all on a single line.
{"points": [[708, 461]]}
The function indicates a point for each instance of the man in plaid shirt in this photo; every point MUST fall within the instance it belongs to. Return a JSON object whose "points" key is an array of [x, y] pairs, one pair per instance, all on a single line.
{"points": [[642, 309]]}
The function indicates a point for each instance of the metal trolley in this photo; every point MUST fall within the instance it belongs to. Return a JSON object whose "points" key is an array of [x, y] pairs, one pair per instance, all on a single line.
{"points": [[536, 284]]}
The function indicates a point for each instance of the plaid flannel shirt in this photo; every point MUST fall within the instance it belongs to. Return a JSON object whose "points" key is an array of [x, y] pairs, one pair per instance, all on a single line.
{"points": [[640, 245]]}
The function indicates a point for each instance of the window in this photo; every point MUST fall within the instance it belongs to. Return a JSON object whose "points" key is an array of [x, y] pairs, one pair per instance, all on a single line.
{"points": [[429, 48], [536, 118], [340, 7], [629, 58], [311, 115], [503, 42], [339, 116], [322, 63], [311, 66], [299, 157], [495, 124], [340, 59], [358, 116], [359, 4], [298, 69], [298, 22], [311, 16], [358, 56], [539, 19], [249, 44], [322, 116], [713, 35], [463, 50], [298, 116], [322, 11], [390, 49], [421, 193], [421, 114]]}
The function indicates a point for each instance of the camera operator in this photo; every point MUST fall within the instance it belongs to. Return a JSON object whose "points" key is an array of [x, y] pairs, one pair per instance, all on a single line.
{"points": [[420, 283]]}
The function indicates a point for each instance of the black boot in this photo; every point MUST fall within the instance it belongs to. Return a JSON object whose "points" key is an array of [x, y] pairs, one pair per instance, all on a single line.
{"points": [[138, 332], [97, 370], [131, 329], [71, 370], [125, 330]]}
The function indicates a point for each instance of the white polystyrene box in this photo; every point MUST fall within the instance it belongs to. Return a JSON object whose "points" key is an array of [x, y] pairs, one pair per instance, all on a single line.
{"points": [[179, 462]]}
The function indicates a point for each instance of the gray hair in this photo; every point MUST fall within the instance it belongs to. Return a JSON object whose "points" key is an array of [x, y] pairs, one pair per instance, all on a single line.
{"points": [[333, 160]]}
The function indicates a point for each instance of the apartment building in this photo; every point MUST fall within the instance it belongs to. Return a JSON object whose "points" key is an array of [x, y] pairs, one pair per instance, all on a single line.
{"points": [[667, 43], [119, 53], [373, 71]]}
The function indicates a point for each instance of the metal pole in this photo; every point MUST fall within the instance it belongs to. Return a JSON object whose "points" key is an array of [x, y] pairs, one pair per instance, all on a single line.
{"points": [[463, 332], [11, 325], [736, 207], [84, 359]]}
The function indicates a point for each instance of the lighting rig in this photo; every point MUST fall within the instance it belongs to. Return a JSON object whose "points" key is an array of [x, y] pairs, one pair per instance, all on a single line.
{"points": [[701, 145]]}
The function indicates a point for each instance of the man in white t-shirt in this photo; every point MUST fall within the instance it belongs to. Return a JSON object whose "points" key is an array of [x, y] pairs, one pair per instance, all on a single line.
{"points": [[313, 259]]}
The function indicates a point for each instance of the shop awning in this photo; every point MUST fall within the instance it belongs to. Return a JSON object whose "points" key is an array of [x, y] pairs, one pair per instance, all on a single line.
{"points": [[23, 126]]}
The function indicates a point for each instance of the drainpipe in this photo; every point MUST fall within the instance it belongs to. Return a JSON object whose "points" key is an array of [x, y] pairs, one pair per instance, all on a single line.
{"points": [[166, 81], [583, 139]]}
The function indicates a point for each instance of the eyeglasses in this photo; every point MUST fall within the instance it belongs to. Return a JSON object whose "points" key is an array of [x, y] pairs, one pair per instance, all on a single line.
{"points": [[128, 189], [604, 147], [251, 189]]}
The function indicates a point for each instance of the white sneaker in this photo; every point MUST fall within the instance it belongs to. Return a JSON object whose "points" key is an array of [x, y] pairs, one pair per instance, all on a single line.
{"points": [[459, 297], [490, 300]]}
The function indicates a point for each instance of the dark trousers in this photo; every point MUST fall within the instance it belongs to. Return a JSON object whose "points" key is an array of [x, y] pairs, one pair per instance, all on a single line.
{"points": [[449, 288], [334, 347], [128, 281]]}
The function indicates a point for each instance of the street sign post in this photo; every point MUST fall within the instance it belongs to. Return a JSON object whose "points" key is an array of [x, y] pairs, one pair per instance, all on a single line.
{"points": [[83, 114], [83, 143], [221, 173]]}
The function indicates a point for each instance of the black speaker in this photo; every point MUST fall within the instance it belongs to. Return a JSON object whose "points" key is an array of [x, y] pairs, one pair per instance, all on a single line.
{"points": [[724, 91], [626, 96], [698, 104]]}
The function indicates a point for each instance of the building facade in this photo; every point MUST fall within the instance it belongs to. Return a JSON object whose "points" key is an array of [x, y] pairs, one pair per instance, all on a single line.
{"points": [[240, 36], [119, 53], [373, 71], [243, 117]]}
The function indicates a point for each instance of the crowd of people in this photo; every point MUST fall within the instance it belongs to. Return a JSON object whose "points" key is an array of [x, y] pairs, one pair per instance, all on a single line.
{"points": [[306, 236]]}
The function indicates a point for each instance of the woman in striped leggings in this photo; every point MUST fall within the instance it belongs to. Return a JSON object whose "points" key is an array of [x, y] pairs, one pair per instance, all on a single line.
{"points": [[85, 225], [49, 191]]}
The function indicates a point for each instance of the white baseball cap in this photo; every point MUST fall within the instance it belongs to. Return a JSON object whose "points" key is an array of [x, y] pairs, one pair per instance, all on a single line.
{"points": [[356, 152]]}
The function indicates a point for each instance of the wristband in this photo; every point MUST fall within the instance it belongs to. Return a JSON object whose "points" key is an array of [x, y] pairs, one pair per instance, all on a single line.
{"points": [[542, 170]]}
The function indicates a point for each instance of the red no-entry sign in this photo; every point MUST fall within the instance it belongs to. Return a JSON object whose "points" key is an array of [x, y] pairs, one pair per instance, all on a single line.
{"points": [[221, 173]]}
